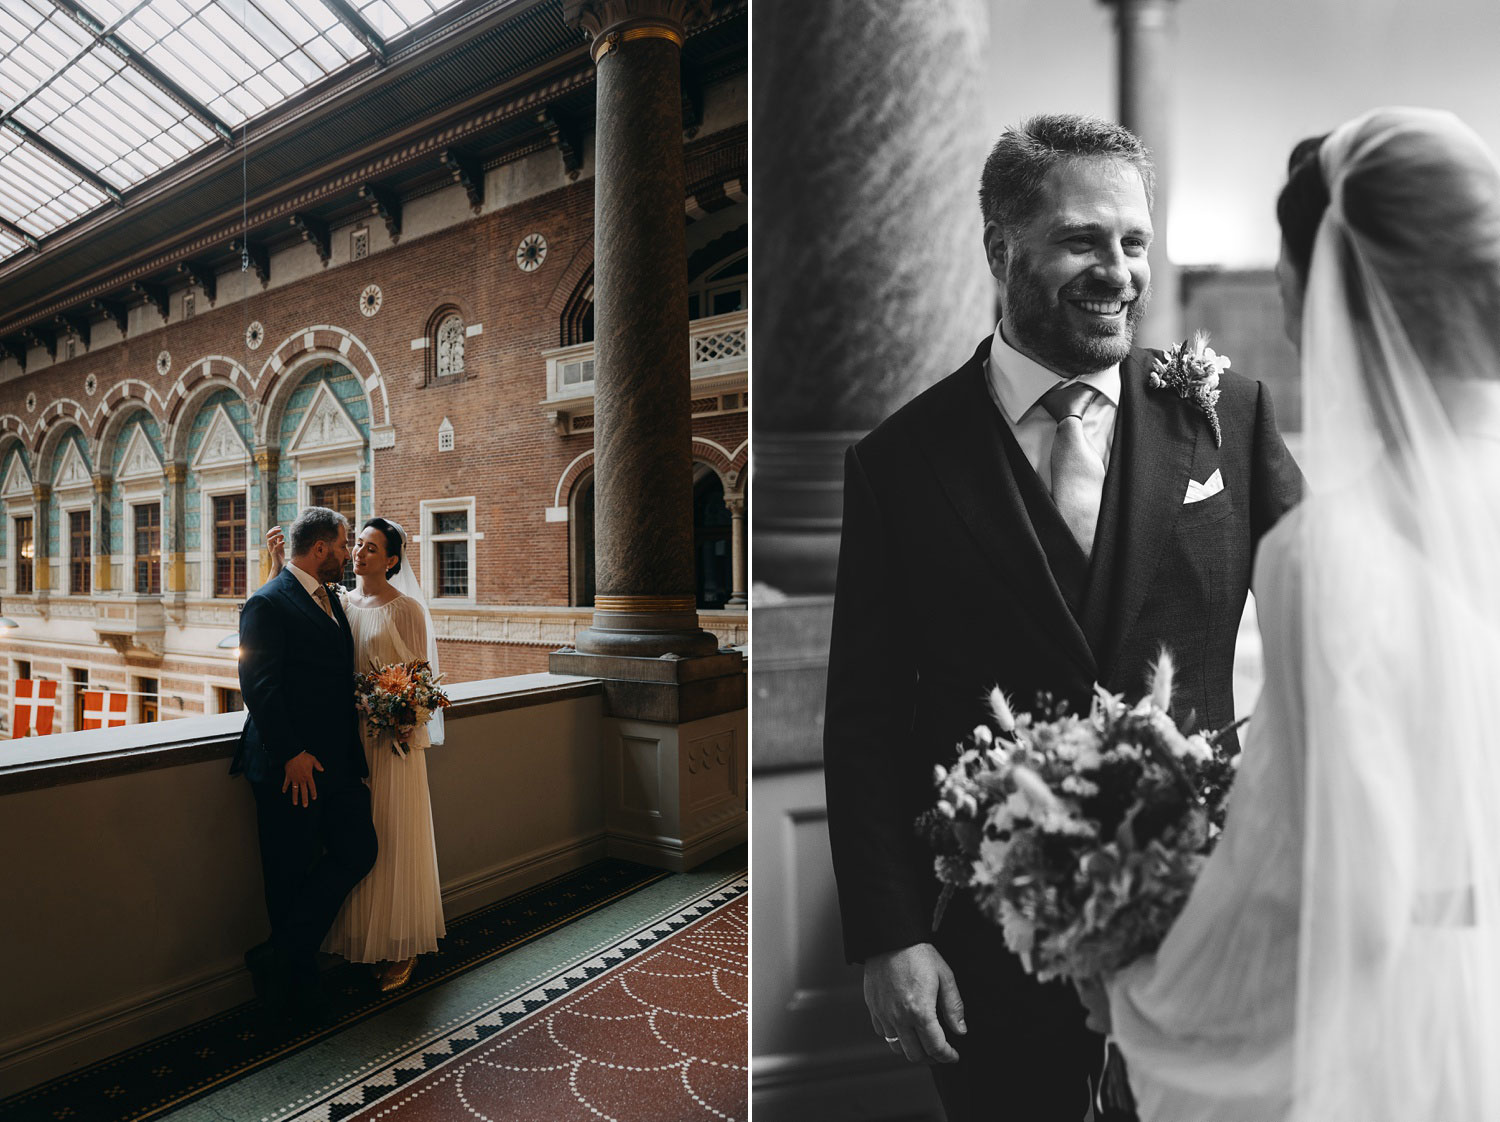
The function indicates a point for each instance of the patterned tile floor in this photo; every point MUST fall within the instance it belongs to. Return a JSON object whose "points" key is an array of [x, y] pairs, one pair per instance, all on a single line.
{"points": [[374, 1065], [494, 980]]}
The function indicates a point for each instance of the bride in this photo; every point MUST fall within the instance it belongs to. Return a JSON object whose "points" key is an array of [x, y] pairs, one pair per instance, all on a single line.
{"points": [[396, 912], [1340, 956]]}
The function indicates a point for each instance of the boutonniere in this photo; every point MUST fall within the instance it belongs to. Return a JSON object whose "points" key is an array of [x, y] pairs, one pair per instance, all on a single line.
{"points": [[334, 588], [1192, 369]]}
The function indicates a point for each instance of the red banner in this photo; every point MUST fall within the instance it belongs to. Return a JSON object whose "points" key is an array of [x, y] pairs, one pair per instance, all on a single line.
{"points": [[35, 705], [103, 710]]}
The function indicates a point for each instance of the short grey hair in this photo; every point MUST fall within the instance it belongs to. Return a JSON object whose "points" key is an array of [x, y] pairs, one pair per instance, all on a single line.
{"points": [[1020, 160], [315, 524]]}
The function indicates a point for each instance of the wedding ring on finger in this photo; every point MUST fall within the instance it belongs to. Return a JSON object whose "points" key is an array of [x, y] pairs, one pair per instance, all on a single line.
{"points": [[893, 1040]]}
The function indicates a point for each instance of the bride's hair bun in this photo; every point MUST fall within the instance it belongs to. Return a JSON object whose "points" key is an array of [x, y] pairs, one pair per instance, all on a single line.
{"points": [[395, 539]]}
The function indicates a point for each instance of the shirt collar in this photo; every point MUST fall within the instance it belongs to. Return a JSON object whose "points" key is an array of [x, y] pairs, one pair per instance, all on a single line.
{"points": [[1019, 381], [307, 581]]}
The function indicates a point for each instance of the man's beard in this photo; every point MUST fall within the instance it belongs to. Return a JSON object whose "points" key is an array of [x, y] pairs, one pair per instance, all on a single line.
{"points": [[332, 570], [1037, 321]]}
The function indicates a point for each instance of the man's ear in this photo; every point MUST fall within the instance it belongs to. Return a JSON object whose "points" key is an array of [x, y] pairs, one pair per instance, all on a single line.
{"points": [[995, 250]]}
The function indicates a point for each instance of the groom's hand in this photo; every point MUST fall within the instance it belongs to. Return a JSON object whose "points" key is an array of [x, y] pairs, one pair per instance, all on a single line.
{"points": [[299, 778], [907, 991]]}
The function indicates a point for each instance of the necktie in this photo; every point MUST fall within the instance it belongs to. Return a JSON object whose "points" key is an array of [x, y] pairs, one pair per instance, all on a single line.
{"points": [[320, 594], [1077, 470]]}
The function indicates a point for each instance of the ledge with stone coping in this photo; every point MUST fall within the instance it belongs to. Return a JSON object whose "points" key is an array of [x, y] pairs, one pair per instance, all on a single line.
{"points": [[77, 757]]}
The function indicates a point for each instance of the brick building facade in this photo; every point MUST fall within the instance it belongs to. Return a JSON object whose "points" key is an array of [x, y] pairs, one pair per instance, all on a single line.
{"points": [[435, 370]]}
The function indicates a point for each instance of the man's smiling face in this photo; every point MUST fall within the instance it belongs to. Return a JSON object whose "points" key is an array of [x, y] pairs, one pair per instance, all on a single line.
{"points": [[1074, 279]]}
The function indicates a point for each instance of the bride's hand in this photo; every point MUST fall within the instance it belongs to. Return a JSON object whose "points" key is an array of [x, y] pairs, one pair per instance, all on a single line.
{"points": [[276, 545], [1096, 1001]]}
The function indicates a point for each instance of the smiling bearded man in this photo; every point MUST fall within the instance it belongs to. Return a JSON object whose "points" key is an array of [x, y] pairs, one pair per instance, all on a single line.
{"points": [[1039, 520]]}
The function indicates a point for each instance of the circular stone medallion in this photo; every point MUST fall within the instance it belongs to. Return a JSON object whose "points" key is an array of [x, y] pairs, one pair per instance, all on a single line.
{"points": [[531, 253], [370, 300], [91, 384], [31, 403], [255, 335], [163, 363]]}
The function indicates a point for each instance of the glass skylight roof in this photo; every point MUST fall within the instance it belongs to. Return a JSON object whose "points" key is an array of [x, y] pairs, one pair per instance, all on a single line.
{"points": [[83, 111]]}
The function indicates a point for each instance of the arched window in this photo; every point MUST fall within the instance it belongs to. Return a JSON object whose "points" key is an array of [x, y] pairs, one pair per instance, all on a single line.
{"points": [[581, 542], [722, 288], [447, 336], [450, 346]]}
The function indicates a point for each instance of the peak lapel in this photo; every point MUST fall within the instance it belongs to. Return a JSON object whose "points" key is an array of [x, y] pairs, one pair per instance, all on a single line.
{"points": [[971, 464], [1153, 456], [292, 589]]}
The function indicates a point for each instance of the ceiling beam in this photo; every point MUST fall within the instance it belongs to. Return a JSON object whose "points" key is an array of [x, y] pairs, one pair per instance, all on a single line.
{"points": [[145, 68], [357, 26], [57, 155], [16, 232]]}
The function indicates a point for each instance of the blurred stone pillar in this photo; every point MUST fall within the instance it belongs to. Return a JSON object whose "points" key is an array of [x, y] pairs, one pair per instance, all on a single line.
{"points": [[646, 603], [869, 282], [1147, 33]]}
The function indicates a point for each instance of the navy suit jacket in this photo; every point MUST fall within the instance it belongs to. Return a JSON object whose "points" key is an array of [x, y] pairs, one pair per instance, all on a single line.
{"points": [[956, 574], [297, 678]]}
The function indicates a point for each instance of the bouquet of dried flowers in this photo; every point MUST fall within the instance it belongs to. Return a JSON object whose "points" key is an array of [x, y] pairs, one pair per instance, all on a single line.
{"points": [[399, 699], [1080, 836]]}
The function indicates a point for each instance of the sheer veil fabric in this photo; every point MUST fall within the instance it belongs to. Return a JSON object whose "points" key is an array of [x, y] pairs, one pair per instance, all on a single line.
{"points": [[405, 583], [1340, 957]]}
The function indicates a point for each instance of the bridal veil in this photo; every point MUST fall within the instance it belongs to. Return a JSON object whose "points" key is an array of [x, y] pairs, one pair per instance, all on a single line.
{"points": [[1398, 994], [1339, 959]]}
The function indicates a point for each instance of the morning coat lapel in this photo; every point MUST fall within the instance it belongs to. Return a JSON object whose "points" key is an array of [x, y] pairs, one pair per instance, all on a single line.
{"points": [[1150, 463], [968, 454], [292, 589]]}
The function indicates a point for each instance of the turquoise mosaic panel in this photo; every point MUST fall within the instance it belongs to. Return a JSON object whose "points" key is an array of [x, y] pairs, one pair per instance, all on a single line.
{"points": [[346, 387], [142, 420], [239, 413]]}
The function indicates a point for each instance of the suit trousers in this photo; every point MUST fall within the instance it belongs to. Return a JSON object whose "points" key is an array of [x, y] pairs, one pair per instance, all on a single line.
{"points": [[311, 858], [1028, 1056]]}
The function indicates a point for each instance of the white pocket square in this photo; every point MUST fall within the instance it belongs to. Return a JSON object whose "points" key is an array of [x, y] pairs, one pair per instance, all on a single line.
{"points": [[1197, 492]]}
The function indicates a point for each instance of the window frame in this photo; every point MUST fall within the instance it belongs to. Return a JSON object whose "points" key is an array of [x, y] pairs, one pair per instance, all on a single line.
{"points": [[85, 564], [135, 555], [214, 556], [428, 509], [27, 514]]}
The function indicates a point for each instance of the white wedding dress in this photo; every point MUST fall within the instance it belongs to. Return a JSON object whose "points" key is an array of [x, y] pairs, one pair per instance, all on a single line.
{"points": [[396, 912], [1339, 957]]}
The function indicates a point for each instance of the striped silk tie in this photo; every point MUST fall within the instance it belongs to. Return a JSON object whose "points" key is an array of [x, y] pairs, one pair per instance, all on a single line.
{"points": [[1077, 470]]}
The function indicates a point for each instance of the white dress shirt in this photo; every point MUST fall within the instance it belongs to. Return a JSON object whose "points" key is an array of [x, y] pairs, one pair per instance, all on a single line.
{"points": [[1017, 385], [312, 584]]}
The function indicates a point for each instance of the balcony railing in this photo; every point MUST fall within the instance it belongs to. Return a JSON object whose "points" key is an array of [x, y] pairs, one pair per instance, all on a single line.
{"points": [[719, 356]]}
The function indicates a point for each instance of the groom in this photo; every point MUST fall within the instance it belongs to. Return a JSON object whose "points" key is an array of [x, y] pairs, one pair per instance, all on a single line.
{"points": [[301, 752], [1041, 519]]}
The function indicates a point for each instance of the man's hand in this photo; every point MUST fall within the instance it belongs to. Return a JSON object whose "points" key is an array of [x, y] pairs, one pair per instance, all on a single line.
{"points": [[907, 991], [299, 777]]}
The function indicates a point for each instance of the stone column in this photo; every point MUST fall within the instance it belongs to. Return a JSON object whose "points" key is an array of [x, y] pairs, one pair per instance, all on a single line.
{"points": [[102, 553], [646, 603], [267, 463], [41, 535], [173, 532], [736, 505], [870, 280], [1147, 30]]}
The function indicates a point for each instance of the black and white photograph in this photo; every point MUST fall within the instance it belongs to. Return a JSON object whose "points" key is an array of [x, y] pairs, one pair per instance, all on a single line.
{"points": [[1127, 456]]}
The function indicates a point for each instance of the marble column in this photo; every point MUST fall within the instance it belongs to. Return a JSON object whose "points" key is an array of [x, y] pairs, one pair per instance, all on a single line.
{"points": [[1146, 32], [41, 539], [174, 533], [870, 280], [103, 555], [737, 597], [646, 603]]}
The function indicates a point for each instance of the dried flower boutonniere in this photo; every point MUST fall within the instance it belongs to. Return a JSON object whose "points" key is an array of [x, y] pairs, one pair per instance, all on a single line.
{"points": [[1192, 369]]}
